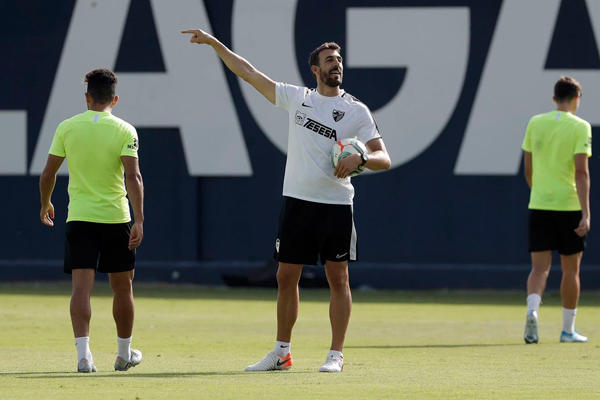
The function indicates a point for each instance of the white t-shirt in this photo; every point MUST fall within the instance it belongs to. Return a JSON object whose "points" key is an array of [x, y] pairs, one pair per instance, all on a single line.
{"points": [[316, 122]]}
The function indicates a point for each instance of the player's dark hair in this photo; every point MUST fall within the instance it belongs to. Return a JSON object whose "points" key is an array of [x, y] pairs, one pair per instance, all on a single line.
{"points": [[566, 88], [101, 85], [313, 58]]}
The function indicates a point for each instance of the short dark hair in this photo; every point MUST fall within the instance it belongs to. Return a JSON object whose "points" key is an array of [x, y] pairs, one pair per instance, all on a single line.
{"points": [[101, 85], [566, 88], [313, 58]]}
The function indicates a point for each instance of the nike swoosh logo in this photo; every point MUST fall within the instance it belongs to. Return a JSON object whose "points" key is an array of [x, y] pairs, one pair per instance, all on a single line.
{"points": [[340, 255], [280, 362], [306, 105]]}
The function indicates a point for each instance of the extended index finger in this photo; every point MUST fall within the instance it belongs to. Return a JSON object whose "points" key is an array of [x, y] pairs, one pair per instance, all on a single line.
{"points": [[190, 31]]}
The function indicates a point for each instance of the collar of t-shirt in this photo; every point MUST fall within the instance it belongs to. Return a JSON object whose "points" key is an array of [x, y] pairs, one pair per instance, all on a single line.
{"points": [[319, 97]]}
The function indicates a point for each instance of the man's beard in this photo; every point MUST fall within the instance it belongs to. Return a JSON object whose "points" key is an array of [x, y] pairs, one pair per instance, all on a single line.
{"points": [[329, 80]]}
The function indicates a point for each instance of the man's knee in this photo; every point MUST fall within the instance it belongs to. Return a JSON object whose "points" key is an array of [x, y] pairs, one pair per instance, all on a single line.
{"points": [[121, 283], [570, 271], [288, 276], [338, 278], [570, 264], [82, 282], [339, 283], [540, 269]]}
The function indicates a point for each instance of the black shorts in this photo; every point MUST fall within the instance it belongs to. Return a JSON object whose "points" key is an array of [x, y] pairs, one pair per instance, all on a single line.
{"points": [[102, 247], [309, 231], [554, 230]]}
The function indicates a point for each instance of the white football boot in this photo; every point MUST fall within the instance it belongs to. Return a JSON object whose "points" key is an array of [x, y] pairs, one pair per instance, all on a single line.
{"points": [[272, 362], [574, 337], [333, 363], [531, 328], [85, 366], [123, 365]]}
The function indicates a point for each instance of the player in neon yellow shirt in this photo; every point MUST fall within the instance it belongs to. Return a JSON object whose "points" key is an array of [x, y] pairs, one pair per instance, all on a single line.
{"points": [[556, 148], [101, 150]]}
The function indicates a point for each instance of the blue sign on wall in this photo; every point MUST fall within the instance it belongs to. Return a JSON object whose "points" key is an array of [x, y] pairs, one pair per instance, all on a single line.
{"points": [[451, 84]]}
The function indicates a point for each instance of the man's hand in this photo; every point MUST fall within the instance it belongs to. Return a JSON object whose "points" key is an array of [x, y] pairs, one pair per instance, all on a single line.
{"points": [[236, 64], [346, 165], [47, 214], [584, 227], [136, 235], [199, 36]]}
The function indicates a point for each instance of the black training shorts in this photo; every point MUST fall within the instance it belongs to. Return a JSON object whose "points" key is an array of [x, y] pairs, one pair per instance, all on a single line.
{"points": [[554, 230], [102, 247], [309, 231]]}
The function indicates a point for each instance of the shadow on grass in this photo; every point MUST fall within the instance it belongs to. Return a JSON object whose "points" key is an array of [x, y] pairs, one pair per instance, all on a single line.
{"points": [[76, 375], [435, 346], [194, 292]]}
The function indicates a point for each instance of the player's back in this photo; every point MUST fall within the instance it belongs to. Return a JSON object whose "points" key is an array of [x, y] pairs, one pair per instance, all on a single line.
{"points": [[553, 138], [93, 143]]}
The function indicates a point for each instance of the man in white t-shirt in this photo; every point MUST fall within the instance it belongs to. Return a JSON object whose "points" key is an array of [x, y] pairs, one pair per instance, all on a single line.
{"points": [[316, 219]]}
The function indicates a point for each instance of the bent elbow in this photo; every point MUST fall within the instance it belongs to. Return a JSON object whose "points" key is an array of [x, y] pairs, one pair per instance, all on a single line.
{"points": [[388, 164]]}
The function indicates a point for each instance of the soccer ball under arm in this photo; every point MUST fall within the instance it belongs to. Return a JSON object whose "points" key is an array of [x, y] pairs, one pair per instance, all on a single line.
{"points": [[345, 147]]}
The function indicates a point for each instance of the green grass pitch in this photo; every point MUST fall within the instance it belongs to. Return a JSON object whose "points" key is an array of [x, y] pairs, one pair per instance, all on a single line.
{"points": [[197, 341]]}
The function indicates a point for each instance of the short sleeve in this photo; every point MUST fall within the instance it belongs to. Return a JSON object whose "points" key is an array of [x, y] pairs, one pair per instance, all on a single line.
{"points": [[583, 137], [368, 129], [131, 143], [57, 148], [287, 95], [526, 146]]}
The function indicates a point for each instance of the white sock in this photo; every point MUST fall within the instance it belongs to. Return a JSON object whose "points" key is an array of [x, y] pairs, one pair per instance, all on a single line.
{"points": [[83, 348], [282, 348], [335, 353], [533, 302], [569, 320], [124, 348]]}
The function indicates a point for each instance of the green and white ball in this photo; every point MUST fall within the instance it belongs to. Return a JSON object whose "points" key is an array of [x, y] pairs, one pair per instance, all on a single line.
{"points": [[345, 147]]}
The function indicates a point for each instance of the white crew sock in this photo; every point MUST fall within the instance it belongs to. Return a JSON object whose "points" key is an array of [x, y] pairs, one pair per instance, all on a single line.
{"points": [[124, 348], [533, 302], [282, 348], [83, 348], [569, 319], [335, 353]]}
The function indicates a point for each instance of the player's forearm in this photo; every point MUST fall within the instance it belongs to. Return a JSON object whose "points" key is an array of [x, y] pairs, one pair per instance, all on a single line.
{"points": [[527, 167], [47, 183], [582, 182], [135, 191], [237, 64], [378, 160], [527, 173]]}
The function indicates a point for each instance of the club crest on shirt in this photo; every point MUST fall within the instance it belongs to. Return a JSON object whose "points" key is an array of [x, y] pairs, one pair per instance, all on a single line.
{"points": [[300, 118], [337, 115]]}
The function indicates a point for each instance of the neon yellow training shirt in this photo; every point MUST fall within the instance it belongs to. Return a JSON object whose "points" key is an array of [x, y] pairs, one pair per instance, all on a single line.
{"points": [[93, 143], [553, 139]]}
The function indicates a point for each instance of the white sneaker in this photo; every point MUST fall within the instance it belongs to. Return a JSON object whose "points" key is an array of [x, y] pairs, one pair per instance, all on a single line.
{"points": [[574, 337], [123, 365], [333, 364], [85, 366], [531, 328], [272, 362]]}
